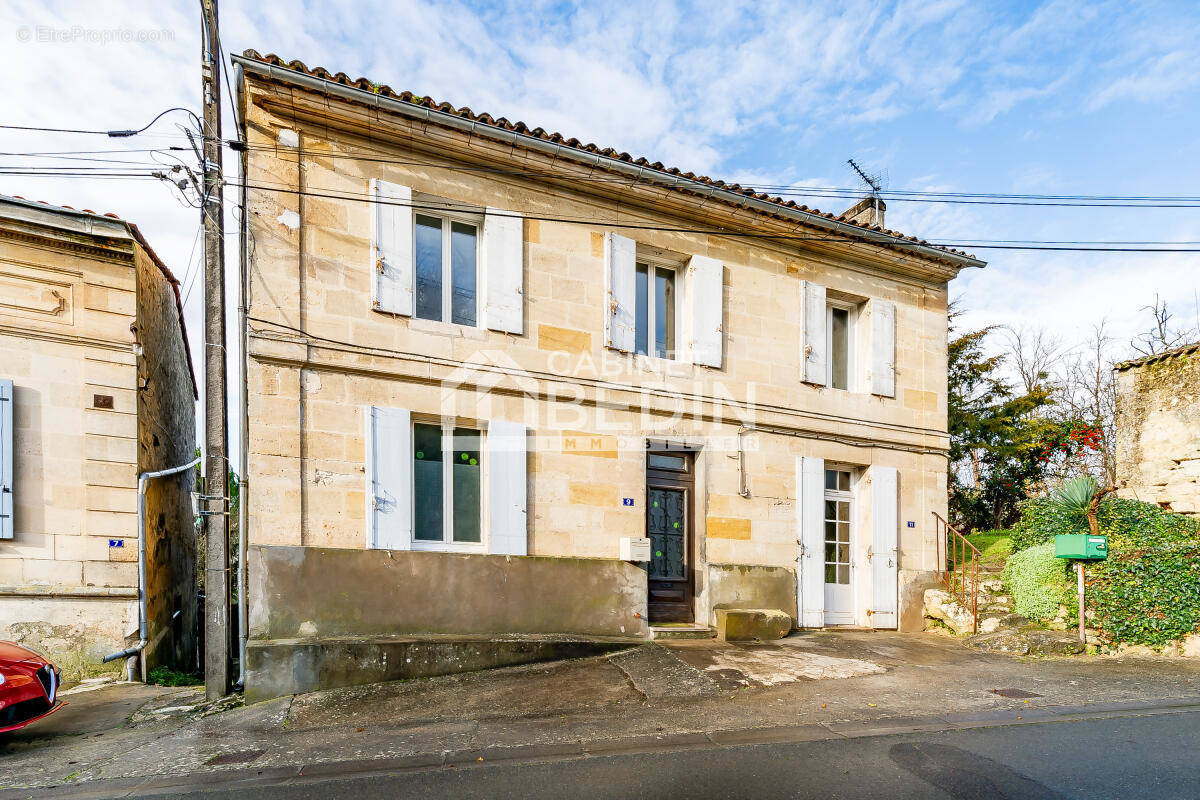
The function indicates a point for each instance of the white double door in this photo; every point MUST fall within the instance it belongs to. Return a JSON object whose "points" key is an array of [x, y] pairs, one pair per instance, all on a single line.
{"points": [[835, 558]]}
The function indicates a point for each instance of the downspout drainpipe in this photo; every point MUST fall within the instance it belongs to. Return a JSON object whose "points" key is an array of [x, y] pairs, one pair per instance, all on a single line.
{"points": [[244, 433], [143, 624]]}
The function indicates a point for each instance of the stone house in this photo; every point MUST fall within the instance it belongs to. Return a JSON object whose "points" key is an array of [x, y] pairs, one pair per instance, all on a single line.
{"points": [[96, 387], [1158, 429], [486, 363]]}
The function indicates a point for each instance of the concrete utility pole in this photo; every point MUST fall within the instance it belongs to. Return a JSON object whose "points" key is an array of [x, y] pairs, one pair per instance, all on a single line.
{"points": [[216, 520]]}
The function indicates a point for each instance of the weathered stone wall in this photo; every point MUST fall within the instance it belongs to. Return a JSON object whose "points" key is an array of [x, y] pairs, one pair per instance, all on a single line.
{"points": [[311, 270], [1158, 432], [166, 438], [324, 593]]}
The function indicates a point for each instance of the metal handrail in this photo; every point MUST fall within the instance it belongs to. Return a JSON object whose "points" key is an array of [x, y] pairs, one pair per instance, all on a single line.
{"points": [[959, 567]]}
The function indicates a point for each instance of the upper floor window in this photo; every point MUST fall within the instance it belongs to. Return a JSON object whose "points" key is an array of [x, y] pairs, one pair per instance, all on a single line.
{"points": [[446, 253], [839, 331], [654, 323], [848, 342]]}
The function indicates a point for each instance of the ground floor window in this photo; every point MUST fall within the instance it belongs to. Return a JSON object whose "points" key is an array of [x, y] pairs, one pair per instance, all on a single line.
{"points": [[447, 484]]}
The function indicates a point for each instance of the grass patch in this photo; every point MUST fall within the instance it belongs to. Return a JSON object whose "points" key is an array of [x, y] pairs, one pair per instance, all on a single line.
{"points": [[995, 547], [165, 676]]}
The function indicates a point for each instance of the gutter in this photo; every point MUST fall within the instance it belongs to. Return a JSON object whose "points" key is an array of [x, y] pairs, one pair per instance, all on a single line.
{"points": [[244, 433], [143, 624], [640, 173]]}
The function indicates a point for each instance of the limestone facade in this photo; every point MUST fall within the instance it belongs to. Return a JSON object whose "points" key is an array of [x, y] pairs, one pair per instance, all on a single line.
{"points": [[91, 340], [321, 356]]}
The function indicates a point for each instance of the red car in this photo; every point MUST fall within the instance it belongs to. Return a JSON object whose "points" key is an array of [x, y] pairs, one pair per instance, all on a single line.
{"points": [[28, 686]]}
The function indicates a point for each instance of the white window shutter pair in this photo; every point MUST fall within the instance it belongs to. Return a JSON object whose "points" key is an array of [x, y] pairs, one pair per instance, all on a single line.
{"points": [[390, 482], [810, 518], [884, 548], [704, 305], [7, 499], [501, 263], [885, 553], [815, 361]]}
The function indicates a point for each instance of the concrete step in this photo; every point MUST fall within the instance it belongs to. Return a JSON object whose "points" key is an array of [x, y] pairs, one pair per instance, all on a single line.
{"points": [[682, 632]]}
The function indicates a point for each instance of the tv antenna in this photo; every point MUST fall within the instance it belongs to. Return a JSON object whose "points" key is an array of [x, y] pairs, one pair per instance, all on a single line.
{"points": [[875, 181]]}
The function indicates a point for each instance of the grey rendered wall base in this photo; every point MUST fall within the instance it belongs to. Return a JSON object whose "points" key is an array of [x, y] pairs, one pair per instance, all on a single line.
{"points": [[281, 667], [326, 593]]}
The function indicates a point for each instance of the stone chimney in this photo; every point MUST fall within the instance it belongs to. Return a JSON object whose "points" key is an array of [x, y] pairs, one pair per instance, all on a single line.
{"points": [[868, 211]]}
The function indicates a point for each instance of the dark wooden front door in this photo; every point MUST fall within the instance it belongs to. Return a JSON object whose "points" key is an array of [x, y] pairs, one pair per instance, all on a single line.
{"points": [[669, 528]]}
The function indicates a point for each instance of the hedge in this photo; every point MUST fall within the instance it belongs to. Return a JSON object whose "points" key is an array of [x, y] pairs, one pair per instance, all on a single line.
{"points": [[1148, 590], [1037, 581]]}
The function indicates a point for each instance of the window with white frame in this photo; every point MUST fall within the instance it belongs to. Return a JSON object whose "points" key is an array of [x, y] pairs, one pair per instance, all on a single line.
{"points": [[447, 485], [445, 262], [838, 502], [839, 344], [655, 309]]}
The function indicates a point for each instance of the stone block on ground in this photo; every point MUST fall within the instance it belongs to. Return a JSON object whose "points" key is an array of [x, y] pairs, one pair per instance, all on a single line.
{"points": [[1015, 621], [1003, 641], [749, 624], [941, 605], [1053, 643]]}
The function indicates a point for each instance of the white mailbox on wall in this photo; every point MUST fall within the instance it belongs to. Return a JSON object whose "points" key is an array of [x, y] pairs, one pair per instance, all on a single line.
{"points": [[635, 548]]}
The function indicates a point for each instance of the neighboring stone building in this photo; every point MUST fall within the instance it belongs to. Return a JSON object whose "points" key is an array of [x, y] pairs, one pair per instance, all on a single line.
{"points": [[485, 361], [1158, 429], [96, 386]]}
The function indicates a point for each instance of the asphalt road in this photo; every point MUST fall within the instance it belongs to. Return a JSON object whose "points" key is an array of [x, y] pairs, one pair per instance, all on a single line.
{"points": [[1124, 757]]}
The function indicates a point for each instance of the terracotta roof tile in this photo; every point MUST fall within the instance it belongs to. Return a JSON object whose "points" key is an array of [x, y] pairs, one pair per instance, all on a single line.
{"points": [[557, 138]]}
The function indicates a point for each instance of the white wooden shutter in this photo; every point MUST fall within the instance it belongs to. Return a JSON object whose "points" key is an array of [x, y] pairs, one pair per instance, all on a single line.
{"points": [[507, 527], [883, 347], [812, 344], [885, 527], [391, 247], [810, 518], [504, 271], [7, 499], [389, 478], [621, 292], [706, 293]]}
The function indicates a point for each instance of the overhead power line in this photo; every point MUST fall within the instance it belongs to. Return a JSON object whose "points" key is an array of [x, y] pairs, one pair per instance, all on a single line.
{"points": [[115, 134], [783, 190], [871, 238]]}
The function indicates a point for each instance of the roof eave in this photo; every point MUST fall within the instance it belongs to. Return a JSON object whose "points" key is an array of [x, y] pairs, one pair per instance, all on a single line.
{"points": [[636, 171]]}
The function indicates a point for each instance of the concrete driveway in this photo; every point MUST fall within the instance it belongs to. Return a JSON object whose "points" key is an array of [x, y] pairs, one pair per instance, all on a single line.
{"points": [[829, 684]]}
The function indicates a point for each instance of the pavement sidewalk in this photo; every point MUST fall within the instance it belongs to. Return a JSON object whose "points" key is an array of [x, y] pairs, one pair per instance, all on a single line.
{"points": [[691, 694]]}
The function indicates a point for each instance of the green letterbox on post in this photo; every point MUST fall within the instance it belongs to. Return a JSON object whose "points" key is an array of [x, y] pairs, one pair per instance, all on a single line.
{"points": [[1081, 546]]}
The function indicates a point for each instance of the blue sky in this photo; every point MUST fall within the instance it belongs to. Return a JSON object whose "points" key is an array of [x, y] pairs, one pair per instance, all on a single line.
{"points": [[1060, 97]]}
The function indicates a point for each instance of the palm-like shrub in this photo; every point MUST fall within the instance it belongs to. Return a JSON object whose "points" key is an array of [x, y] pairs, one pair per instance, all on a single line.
{"points": [[1074, 499]]}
